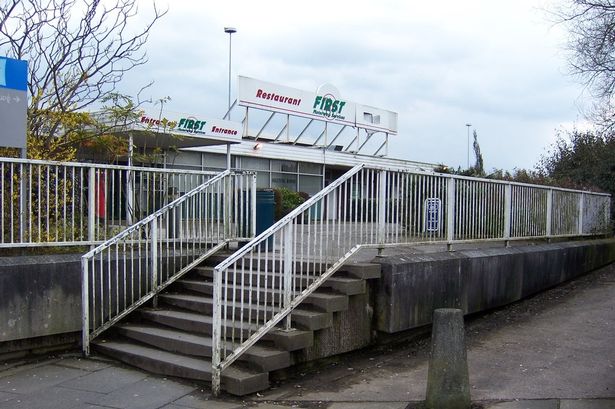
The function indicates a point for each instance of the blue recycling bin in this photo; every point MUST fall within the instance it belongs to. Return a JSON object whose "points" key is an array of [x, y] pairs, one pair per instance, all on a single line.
{"points": [[265, 212]]}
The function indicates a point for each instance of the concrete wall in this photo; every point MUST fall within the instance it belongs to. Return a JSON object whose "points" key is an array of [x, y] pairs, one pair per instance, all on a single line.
{"points": [[39, 296], [412, 286]]}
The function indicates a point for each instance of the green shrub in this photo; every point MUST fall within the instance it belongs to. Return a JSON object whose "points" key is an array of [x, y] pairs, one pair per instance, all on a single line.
{"points": [[285, 201]]}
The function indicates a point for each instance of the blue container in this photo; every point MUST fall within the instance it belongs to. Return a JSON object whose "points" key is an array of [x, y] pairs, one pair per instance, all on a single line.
{"points": [[265, 212]]}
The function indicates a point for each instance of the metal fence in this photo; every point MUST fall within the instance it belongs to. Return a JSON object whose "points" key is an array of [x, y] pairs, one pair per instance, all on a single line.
{"points": [[65, 203], [257, 287], [132, 267]]}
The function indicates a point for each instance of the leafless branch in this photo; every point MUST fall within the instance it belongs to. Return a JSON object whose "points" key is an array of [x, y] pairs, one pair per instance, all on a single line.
{"points": [[78, 51]]}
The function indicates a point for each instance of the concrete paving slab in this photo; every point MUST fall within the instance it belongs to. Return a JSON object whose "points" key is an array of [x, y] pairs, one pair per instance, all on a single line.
{"points": [[587, 404], [106, 380], [11, 368], [526, 404], [203, 399], [89, 364], [145, 394], [51, 398], [38, 378], [5, 396], [368, 405]]}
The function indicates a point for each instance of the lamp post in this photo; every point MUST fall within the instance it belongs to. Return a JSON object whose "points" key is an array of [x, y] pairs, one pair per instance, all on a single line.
{"points": [[468, 125], [229, 31]]}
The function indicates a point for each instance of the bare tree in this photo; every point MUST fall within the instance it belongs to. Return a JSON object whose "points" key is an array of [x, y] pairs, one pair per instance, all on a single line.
{"points": [[77, 53], [591, 24]]}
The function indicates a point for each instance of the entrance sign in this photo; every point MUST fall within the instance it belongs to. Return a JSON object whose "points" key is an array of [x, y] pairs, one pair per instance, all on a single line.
{"points": [[13, 102], [326, 104], [189, 125]]}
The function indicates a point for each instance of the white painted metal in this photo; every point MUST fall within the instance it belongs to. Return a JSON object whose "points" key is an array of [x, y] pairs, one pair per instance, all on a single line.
{"points": [[131, 268], [372, 207], [69, 203]]}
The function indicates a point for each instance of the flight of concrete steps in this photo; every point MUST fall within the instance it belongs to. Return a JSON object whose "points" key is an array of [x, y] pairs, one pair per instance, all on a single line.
{"points": [[174, 339]]}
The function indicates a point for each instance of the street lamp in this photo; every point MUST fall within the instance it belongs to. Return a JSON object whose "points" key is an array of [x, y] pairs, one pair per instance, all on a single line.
{"points": [[468, 125], [229, 31]]}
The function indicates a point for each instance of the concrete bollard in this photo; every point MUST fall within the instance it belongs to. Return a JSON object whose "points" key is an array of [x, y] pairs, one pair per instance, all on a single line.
{"points": [[448, 384]]}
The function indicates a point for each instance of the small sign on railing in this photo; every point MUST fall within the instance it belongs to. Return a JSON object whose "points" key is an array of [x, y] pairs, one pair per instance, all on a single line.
{"points": [[433, 214]]}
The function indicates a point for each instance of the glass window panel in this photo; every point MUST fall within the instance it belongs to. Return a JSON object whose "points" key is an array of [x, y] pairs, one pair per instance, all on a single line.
{"points": [[185, 159], [262, 179], [310, 184], [214, 161], [254, 163], [283, 166], [284, 180], [311, 168]]}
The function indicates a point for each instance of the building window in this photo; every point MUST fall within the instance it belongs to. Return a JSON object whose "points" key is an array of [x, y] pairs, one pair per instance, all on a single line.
{"points": [[287, 180], [283, 166], [310, 184]]}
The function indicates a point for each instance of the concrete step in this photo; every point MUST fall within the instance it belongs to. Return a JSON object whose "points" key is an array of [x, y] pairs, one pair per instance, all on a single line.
{"points": [[347, 285], [237, 381], [272, 261], [263, 358], [193, 322], [364, 271], [322, 301], [307, 319]]}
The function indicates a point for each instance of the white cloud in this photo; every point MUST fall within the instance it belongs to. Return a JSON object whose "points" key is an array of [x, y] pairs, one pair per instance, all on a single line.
{"points": [[498, 65]]}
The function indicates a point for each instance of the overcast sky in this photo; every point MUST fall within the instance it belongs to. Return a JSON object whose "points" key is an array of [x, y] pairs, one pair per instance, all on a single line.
{"points": [[499, 65]]}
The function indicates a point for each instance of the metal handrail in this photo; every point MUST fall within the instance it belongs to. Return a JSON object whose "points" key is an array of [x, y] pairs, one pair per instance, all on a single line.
{"points": [[131, 268], [89, 165], [154, 215], [377, 207], [277, 226], [48, 203]]}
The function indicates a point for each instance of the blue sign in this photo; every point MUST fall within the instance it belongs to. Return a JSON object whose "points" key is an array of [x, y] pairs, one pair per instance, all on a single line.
{"points": [[433, 211], [13, 102], [13, 74]]}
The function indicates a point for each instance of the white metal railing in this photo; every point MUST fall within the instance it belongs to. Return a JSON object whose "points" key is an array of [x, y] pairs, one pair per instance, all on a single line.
{"points": [[131, 268], [68, 203], [260, 284]]}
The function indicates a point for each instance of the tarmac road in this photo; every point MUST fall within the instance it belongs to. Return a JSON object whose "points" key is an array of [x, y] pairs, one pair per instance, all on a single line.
{"points": [[557, 345]]}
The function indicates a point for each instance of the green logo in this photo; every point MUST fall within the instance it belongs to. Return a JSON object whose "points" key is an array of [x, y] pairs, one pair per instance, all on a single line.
{"points": [[191, 125], [329, 107]]}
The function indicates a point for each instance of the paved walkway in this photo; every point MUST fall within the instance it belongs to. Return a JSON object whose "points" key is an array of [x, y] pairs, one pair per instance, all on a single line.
{"points": [[554, 351]]}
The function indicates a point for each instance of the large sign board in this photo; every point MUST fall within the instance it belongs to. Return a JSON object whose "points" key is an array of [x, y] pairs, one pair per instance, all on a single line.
{"points": [[190, 125], [325, 104], [13, 102]]}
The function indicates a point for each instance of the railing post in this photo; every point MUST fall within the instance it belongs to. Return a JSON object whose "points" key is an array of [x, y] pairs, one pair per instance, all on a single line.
{"points": [[92, 204], [154, 259], [216, 333], [607, 214], [23, 203], [85, 307], [549, 213], [227, 212], [581, 209], [450, 211], [253, 208], [288, 269], [382, 177], [507, 213], [130, 200]]}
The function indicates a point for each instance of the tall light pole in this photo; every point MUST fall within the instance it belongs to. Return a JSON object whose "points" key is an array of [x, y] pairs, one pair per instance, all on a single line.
{"points": [[468, 125], [229, 31]]}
